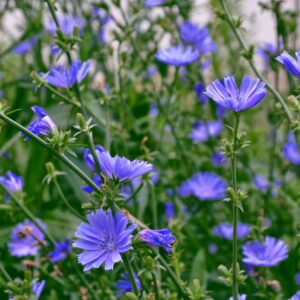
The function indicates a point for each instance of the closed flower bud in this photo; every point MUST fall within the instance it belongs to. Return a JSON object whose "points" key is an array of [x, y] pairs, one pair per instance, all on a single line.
{"points": [[149, 262], [82, 122]]}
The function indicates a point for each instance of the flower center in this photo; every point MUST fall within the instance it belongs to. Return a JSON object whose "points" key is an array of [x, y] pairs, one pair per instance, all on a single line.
{"points": [[107, 243]]}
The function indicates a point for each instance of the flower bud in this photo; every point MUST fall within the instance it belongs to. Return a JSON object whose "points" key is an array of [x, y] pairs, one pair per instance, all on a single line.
{"points": [[149, 262], [82, 122]]}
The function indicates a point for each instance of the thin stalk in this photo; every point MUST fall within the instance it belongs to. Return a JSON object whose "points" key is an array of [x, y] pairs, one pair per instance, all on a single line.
{"points": [[107, 126], [76, 89], [4, 272], [29, 215], [155, 286], [153, 204], [135, 192], [172, 275], [130, 273], [235, 291], [62, 196], [244, 45]]}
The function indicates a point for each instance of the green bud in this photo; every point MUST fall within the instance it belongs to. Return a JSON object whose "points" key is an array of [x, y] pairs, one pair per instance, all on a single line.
{"points": [[50, 169], [149, 262], [87, 205], [82, 123], [131, 296], [37, 78]]}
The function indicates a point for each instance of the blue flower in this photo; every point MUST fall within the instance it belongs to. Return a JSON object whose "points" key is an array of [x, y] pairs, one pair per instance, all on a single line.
{"points": [[152, 3], [177, 56], [26, 239], [43, 125], [12, 182], [199, 89], [240, 297], [291, 64], [261, 183], [97, 180], [61, 251], [265, 52], [25, 46], [154, 111], [117, 167], [218, 159], [103, 240], [158, 238], [297, 278], [212, 248], [290, 150], [124, 285], [268, 254], [197, 36], [38, 287], [296, 296], [251, 92], [67, 24], [204, 186], [203, 131], [169, 210], [62, 77], [225, 230]]}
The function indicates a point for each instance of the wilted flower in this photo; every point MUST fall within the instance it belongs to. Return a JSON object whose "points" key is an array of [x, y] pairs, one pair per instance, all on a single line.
{"points": [[290, 150], [268, 254], [152, 3], [218, 159], [38, 287], [203, 131], [67, 24], [124, 285], [62, 77], [290, 63], [225, 230], [240, 297], [296, 296], [227, 94], [117, 167], [177, 55], [169, 210], [26, 239], [97, 180], [158, 238], [25, 46], [12, 182], [205, 186], [43, 125], [61, 251], [197, 36], [103, 240]]}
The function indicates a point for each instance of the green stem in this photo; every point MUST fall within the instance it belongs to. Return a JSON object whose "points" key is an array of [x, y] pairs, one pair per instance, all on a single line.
{"points": [[153, 204], [130, 273], [172, 275], [4, 272], [235, 291], [62, 196], [60, 156], [155, 286], [244, 45]]}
